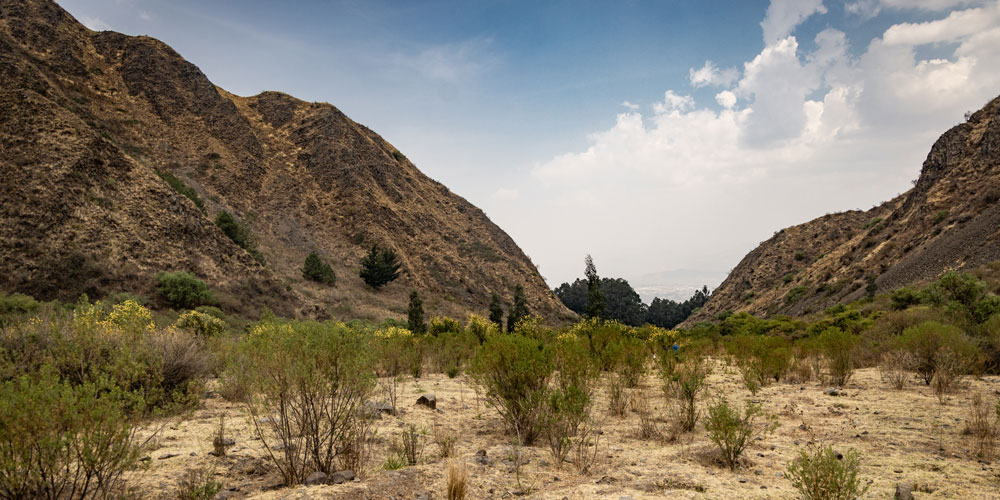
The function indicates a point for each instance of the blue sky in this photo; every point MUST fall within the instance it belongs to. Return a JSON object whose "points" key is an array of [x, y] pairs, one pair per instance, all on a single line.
{"points": [[555, 117]]}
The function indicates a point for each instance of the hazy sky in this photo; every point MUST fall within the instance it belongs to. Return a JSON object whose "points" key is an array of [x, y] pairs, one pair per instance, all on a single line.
{"points": [[652, 135]]}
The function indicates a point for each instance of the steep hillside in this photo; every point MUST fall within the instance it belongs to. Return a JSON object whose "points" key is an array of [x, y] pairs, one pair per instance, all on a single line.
{"points": [[950, 219], [89, 118]]}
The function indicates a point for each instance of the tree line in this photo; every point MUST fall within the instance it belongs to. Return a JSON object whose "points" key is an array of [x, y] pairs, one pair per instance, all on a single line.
{"points": [[614, 298]]}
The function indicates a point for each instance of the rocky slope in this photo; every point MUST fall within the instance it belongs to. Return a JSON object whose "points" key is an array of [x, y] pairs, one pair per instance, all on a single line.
{"points": [[950, 219], [87, 119]]}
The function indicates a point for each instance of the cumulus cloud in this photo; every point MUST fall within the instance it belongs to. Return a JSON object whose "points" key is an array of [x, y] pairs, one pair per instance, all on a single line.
{"points": [[865, 9], [709, 74], [801, 132], [930, 5], [784, 15], [630, 105]]}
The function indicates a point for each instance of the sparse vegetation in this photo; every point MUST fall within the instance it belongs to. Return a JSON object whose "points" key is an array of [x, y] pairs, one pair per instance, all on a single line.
{"points": [[415, 314], [182, 189], [239, 233], [733, 430]]}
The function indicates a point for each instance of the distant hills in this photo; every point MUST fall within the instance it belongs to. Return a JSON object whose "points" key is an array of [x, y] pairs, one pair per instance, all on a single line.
{"points": [[94, 126], [950, 219]]}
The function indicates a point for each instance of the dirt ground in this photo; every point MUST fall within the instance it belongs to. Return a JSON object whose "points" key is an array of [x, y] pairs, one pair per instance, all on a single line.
{"points": [[904, 436]]}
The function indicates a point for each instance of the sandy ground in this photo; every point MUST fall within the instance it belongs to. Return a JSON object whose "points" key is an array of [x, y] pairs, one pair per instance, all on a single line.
{"points": [[904, 436]]}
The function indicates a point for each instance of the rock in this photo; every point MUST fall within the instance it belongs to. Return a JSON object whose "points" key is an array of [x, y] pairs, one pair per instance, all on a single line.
{"points": [[169, 455], [831, 392], [903, 492], [481, 458], [423, 496], [316, 478], [225, 495], [428, 400], [341, 477]]}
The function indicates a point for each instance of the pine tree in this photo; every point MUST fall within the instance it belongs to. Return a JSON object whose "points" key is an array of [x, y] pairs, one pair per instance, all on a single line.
{"points": [[317, 270], [496, 311], [415, 314], [595, 307], [379, 267], [519, 310]]}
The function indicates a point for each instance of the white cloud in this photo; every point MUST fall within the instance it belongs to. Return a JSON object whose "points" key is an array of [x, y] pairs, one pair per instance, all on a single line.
{"points": [[784, 15], [930, 5], [801, 133], [629, 105], [506, 194], [673, 103], [957, 25], [711, 75], [726, 99], [865, 9]]}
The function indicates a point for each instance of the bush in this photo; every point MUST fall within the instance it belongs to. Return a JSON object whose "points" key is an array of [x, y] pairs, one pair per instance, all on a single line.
{"points": [[200, 324], [839, 349], [731, 431], [481, 328], [316, 270], [761, 359], [568, 402], [439, 325], [796, 294], [311, 380], [514, 372], [826, 475], [685, 385], [933, 345], [57, 438], [183, 290], [903, 298], [983, 424], [379, 267], [198, 484], [239, 233], [182, 189], [17, 303]]}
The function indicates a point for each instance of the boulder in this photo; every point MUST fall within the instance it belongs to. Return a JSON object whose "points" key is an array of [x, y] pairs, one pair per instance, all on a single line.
{"points": [[428, 400], [903, 492], [316, 478]]}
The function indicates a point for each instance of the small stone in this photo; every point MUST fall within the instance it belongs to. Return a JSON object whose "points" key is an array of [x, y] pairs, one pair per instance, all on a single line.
{"points": [[169, 455], [428, 400], [423, 496], [341, 477], [831, 392], [903, 492], [316, 478]]}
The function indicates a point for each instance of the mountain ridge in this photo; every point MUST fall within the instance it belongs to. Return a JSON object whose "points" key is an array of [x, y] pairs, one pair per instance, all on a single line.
{"points": [[949, 220], [302, 176]]}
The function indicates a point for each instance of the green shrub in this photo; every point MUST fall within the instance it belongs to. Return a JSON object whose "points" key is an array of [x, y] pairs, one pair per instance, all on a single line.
{"points": [[796, 294], [761, 359], [183, 290], [311, 379], [60, 440], [568, 402], [239, 233], [733, 431], [513, 372], [16, 305], [200, 324], [182, 189], [933, 346], [440, 324], [198, 484], [481, 328], [685, 386], [826, 475], [940, 216], [903, 298], [316, 270], [839, 350]]}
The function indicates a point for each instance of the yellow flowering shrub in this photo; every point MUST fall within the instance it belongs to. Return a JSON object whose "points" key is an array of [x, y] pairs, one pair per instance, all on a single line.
{"points": [[200, 324]]}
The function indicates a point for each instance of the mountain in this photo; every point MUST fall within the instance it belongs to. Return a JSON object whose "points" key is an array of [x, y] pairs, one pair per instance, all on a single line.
{"points": [[676, 284], [92, 122], [950, 219]]}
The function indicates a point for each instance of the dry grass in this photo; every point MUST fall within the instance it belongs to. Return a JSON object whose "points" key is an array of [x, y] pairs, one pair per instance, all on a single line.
{"points": [[892, 430], [457, 477]]}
